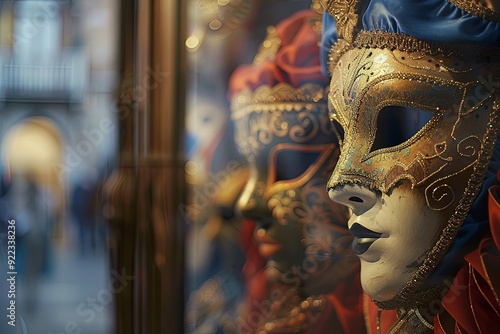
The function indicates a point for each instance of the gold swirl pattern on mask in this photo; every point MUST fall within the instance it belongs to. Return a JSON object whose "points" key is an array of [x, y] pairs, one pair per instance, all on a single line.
{"points": [[417, 171], [410, 295], [258, 131], [440, 195], [306, 129], [278, 113]]}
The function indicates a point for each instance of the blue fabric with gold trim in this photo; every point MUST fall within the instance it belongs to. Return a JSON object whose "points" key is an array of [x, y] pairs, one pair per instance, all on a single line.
{"points": [[429, 20]]}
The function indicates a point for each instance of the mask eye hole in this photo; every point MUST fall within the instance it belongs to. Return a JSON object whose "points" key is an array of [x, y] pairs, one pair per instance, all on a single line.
{"points": [[395, 125], [291, 164]]}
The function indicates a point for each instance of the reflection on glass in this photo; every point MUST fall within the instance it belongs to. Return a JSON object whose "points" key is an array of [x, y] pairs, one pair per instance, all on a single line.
{"points": [[268, 251]]}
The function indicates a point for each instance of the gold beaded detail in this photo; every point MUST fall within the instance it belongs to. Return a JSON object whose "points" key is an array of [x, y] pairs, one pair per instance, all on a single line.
{"points": [[403, 42], [411, 321], [296, 321], [282, 97], [474, 8], [406, 43]]}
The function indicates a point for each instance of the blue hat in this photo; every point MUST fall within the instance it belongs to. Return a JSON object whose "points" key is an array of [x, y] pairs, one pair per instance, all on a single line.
{"points": [[438, 21]]}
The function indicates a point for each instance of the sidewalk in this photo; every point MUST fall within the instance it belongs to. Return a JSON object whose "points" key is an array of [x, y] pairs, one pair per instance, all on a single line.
{"points": [[73, 296]]}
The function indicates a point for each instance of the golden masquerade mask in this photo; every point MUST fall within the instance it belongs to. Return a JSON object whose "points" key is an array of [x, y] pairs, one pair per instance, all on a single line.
{"points": [[283, 128], [452, 92], [279, 107], [286, 135]]}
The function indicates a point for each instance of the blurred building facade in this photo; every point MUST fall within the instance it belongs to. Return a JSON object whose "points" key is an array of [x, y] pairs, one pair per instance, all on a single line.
{"points": [[58, 74]]}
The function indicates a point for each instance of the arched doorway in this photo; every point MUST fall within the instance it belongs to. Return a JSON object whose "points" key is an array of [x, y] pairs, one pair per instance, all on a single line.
{"points": [[31, 148]]}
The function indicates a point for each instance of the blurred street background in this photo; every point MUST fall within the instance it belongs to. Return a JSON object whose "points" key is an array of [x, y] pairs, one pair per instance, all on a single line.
{"points": [[58, 138]]}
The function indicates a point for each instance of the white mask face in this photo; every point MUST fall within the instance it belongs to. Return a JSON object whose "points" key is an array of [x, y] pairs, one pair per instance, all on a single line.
{"points": [[393, 234], [416, 141]]}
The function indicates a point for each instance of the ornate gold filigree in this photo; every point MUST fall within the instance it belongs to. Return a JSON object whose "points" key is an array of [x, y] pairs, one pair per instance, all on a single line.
{"points": [[362, 75], [266, 125], [454, 224], [488, 10], [345, 13]]}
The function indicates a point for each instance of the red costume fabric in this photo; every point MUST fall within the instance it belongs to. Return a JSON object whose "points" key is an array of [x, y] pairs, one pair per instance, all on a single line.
{"points": [[296, 62], [472, 304], [387, 317]]}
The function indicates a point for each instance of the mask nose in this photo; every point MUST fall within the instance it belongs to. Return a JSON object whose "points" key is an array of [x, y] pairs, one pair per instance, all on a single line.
{"points": [[251, 203], [358, 199]]}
